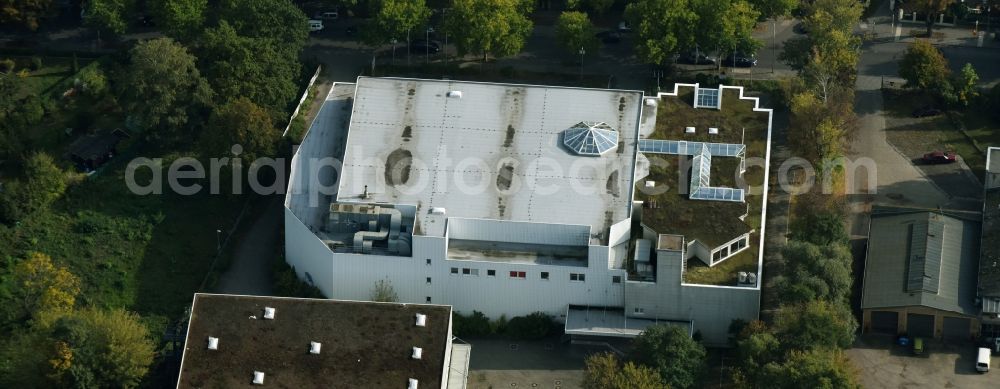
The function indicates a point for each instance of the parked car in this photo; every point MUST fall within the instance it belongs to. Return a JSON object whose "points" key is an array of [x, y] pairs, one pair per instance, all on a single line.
{"points": [[695, 58], [422, 45], [936, 157], [926, 111], [609, 37], [328, 15], [315, 25], [624, 27], [983, 360], [739, 60], [800, 28]]}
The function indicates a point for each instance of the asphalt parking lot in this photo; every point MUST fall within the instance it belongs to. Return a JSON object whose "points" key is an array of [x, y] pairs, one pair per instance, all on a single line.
{"points": [[883, 364]]}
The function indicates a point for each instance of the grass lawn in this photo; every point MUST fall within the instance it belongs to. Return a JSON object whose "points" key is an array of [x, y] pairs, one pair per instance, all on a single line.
{"points": [[725, 273], [52, 73]]}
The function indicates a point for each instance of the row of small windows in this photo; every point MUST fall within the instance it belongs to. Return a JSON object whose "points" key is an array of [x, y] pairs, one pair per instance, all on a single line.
{"points": [[580, 277]]}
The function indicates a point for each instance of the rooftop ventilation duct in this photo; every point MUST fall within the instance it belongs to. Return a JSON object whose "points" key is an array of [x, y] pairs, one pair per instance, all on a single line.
{"points": [[412, 384], [455, 94], [314, 347], [258, 378], [269, 313], [417, 352], [213, 343], [421, 320], [438, 211]]}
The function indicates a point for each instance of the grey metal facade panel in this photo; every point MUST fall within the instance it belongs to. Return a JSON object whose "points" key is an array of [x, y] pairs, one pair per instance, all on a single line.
{"points": [[887, 266]]}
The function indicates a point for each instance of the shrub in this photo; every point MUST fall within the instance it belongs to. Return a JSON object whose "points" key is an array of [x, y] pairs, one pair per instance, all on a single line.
{"points": [[287, 283], [36, 63], [476, 324], [24, 73], [93, 81], [7, 65], [534, 326]]}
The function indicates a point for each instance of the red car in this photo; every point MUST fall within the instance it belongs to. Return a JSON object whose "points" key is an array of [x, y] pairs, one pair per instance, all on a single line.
{"points": [[939, 157]]}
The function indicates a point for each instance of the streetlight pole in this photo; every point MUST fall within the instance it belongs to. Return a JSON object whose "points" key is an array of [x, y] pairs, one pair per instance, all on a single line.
{"points": [[218, 242], [582, 52], [774, 44], [427, 43], [407, 47], [394, 41]]}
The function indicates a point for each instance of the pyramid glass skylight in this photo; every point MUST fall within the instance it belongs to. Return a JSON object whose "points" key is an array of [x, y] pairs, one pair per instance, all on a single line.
{"points": [[590, 138]]}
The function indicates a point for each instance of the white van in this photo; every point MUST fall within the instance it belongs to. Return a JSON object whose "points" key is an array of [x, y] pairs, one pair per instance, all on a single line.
{"points": [[315, 25], [983, 360], [331, 15]]}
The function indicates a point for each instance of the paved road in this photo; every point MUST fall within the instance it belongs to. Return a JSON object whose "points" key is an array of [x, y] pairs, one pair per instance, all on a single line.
{"points": [[250, 271]]}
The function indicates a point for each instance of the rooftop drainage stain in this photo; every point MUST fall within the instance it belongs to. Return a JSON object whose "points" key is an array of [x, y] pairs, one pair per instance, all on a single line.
{"points": [[397, 167]]}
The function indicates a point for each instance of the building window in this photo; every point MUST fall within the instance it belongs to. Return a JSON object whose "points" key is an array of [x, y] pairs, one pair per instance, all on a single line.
{"points": [[738, 245], [616, 279], [428, 299], [518, 274], [428, 280], [466, 271], [717, 256], [428, 261], [491, 273], [577, 277], [475, 272], [545, 275], [454, 270], [638, 310]]}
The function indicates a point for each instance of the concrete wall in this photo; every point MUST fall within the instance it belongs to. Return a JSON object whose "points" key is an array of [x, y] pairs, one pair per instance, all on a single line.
{"points": [[518, 232], [710, 308]]}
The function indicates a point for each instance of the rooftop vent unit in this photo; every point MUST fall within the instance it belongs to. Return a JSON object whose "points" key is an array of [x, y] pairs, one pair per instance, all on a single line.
{"points": [[412, 384], [650, 184], [417, 352], [438, 211], [650, 102], [258, 378], [421, 320], [713, 130], [314, 347], [213, 343], [455, 94], [269, 313], [689, 130]]}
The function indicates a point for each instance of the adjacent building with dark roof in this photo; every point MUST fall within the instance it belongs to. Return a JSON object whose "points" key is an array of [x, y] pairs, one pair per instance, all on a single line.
{"points": [[920, 274], [239, 341], [989, 260]]}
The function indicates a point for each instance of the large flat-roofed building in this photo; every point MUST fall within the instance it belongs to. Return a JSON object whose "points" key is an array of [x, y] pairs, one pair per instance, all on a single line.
{"points": [[511, 199], [241, 341], [988, 289]]}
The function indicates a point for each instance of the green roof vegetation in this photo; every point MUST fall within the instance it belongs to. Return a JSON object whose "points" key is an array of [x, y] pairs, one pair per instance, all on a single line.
{"points": [[725, 273]]}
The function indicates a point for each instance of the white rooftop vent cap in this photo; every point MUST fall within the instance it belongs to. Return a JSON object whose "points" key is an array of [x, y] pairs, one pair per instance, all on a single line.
{"points": [[455, 94], [421, 320], [438, 211], [213, 343], [689, 130], [269, 313], [314, 347], [258, 378], [651, 102], [713, 130], [412, 384], [650, 184], [417, 352]]}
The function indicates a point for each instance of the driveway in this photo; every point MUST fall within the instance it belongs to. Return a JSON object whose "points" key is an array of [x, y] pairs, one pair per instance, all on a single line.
{"points": [[250, 271], [882, 364]]}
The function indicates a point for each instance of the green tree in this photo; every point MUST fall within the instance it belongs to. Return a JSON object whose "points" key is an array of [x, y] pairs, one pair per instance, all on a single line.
{"points": [[605, 371], [831, 24], [924, 67], [93, 82], [815, 272], [772, 9], [668, 349], [279, 22], [396, 19], [162, 89], [42, 288], [24, 12], [101, 349], [574, 31], [725, 26], [384, 292], [821, 129], [662, 28], [240, 122], [819, 227], [181, 19], [965, 84], [596, 7], [501, 26], [931, 9], [108, 15], [44, 182], [753, 353], [256, 68], [816, 324], [828, 369]]}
